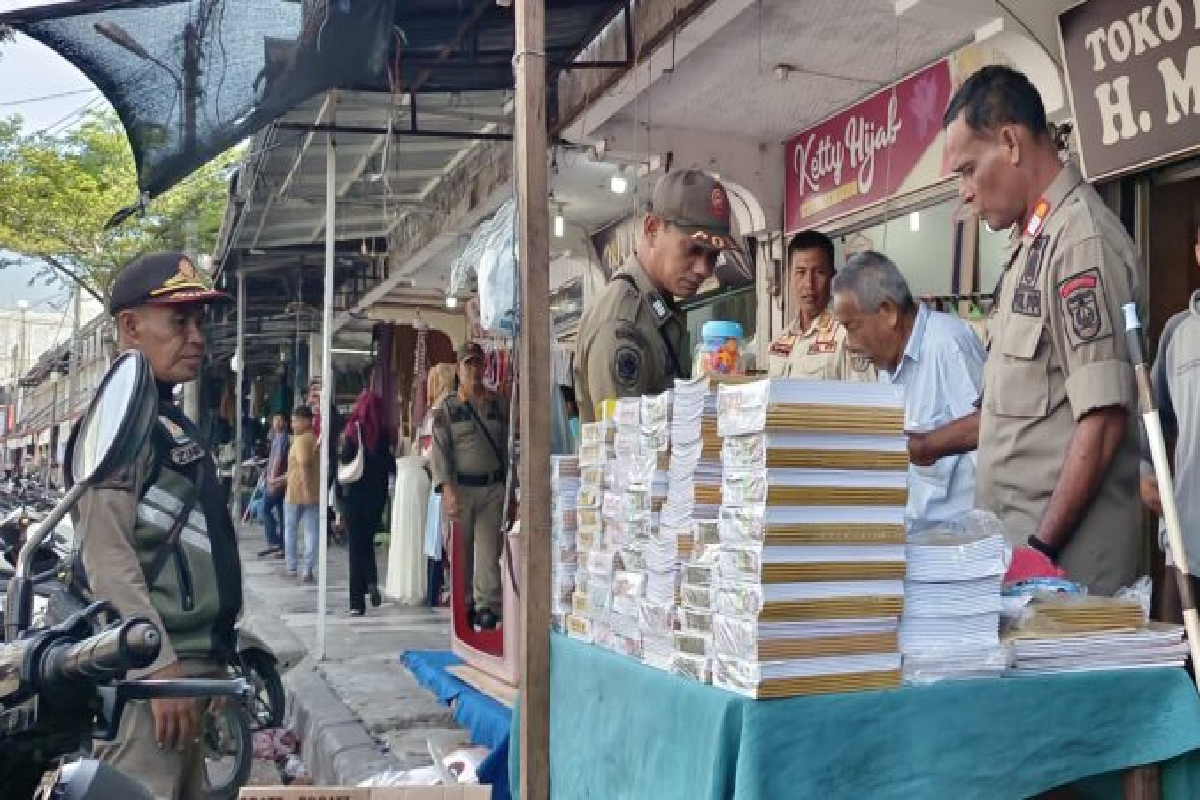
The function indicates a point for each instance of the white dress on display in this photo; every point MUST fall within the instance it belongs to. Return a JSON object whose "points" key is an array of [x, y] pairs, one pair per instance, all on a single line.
{"points": [[406, 554]]}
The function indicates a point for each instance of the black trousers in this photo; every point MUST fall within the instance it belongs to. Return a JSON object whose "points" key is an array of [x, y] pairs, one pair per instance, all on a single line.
{"points": [[361, 525]]}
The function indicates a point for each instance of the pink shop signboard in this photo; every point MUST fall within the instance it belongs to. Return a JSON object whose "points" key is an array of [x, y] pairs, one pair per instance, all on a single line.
{"points": [[887, 144]]}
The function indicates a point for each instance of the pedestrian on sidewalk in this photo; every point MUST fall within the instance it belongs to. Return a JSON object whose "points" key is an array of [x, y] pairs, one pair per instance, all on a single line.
{"points": [[470, 462], [275, 485], [301, 498], [363, 499]]}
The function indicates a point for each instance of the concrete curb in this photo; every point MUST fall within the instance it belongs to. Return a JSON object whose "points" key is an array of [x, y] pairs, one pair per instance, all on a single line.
{"points": [[335, 745]]}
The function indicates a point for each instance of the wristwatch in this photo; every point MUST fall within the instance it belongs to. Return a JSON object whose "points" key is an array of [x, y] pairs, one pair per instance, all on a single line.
{"points": [[1048, 551]]}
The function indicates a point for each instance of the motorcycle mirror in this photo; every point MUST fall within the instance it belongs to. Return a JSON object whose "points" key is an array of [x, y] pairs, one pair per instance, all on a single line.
{"points": [[117, 422], [112, 432]]}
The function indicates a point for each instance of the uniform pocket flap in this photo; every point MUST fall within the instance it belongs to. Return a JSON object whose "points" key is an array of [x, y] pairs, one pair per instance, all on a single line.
{"points": [[1022, 337], [1022, 384]]}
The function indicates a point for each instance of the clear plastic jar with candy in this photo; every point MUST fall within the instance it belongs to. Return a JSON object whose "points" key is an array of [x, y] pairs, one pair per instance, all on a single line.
{"points": [[720, 349]]}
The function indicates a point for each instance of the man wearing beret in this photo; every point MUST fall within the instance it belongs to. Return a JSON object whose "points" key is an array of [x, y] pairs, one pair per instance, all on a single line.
{"points": [[156, 540]]}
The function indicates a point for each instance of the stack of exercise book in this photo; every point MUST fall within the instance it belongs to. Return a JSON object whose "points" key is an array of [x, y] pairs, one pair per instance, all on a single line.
{"points": [[564, 525], [1080, 633], [952, 604], [808, 582], [591, 599]]}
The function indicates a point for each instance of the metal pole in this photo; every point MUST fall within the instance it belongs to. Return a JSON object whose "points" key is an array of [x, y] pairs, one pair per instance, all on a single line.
{"points": [[239, 383], [53, 422], [326, 386], [529, 144], [73, 383]]}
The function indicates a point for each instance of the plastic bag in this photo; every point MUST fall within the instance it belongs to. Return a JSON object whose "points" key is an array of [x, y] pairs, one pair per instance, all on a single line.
{"points": [[498, 274]]}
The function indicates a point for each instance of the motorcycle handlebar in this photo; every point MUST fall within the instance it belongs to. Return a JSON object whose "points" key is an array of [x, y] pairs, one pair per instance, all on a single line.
{"points": [[105, 656]]}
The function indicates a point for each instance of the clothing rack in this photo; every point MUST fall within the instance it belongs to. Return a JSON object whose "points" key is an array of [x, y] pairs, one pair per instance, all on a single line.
{"points": [[981, 303]]}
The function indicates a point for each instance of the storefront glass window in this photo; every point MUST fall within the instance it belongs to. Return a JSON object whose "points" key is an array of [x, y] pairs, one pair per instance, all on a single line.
{"points": [[921, 242], [992, 246]]}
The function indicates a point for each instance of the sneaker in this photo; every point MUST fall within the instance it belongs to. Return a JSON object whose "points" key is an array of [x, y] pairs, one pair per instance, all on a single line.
{"points": [[308, 578], [291, 573], [356, 612], [486, 620], [373, 591]]}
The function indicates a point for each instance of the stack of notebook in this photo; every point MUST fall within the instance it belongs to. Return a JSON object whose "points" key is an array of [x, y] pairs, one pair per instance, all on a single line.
{"points": [[952, 604], [692, 463], [1073, 633], [807, 584], [564, 489], [591, 598]]}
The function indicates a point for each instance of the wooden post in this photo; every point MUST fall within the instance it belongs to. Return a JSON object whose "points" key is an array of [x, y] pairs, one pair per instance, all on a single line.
{"points": [[1142, 783], [529, 144]]}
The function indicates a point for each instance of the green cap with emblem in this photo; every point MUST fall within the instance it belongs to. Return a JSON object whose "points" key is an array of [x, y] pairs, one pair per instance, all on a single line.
{"points": [[698, 204]]}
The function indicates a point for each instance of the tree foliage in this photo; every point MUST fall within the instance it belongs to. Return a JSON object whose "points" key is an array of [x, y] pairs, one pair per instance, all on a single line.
{"points": [[57, 193]]}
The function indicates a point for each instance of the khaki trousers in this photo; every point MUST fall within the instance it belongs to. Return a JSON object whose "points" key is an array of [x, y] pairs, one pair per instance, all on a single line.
{"points": [[167, 774], [479, 518]]}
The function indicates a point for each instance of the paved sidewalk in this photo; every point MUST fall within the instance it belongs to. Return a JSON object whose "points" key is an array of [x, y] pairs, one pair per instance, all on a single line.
{"points": [[359, 711]]}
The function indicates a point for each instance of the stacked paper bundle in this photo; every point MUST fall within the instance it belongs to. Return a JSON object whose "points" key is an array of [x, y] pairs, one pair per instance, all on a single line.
{"points": [[564, 488], [808, 582], [693, 462], [952, 604], [697, 587], [591, 599], [1078, 633]]}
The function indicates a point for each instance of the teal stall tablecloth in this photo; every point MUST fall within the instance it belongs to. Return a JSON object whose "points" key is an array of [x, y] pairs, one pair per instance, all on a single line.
{"points": [[619, 729]]}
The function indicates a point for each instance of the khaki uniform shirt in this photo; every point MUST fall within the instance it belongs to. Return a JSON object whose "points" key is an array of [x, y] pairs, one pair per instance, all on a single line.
{"points": [[1057, 351], [630, 342], [462, 454], [819, 353]]}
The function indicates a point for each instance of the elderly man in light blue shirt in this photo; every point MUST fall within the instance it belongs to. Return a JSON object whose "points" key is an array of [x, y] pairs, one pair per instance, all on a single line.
{"points": [[934, 356]]}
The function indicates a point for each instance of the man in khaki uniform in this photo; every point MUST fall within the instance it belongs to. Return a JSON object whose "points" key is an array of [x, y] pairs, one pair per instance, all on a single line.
{"points": [[631, 337], [470, 462], [1057, 434], [814, 345], [156, 540]]}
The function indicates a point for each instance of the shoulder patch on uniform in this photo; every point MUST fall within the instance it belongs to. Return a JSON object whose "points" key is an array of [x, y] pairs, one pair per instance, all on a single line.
{"points": [[1027, 296], [859, 362], [627, 365], [783, 345], [1085, 307], [622, 299]]}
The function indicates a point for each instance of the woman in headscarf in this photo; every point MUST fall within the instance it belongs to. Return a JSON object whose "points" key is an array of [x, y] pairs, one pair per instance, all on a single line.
{"points": [[363, 500]]}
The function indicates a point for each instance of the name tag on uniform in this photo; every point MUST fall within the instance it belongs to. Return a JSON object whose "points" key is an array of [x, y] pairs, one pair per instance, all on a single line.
{"points": [[659, 307], [186, 454], [821, 348], [783, 346]]}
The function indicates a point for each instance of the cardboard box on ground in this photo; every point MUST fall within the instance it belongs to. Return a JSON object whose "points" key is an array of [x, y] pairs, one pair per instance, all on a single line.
{"points": [[463, 792]]}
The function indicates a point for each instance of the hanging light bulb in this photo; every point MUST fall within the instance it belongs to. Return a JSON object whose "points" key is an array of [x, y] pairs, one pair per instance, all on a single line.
{"points": [[560, 223]]}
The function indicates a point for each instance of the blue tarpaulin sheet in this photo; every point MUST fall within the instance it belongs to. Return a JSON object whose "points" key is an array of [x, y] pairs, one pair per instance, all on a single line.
{"points": [[488, 720], [619, 729]]}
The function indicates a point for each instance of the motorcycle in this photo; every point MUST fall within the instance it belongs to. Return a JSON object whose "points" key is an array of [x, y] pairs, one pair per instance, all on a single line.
{"points": [[228, 737], [62, 686]]}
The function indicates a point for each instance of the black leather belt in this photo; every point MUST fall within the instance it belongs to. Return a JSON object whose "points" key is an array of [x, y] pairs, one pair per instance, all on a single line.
{"points": [[480, 480]]}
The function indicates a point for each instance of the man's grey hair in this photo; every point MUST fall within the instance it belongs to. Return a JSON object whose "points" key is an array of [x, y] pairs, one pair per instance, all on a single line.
{"points": [[873, 278]]}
